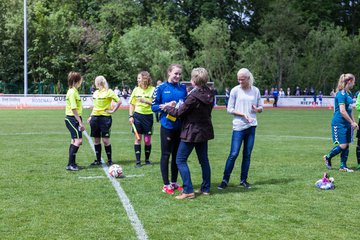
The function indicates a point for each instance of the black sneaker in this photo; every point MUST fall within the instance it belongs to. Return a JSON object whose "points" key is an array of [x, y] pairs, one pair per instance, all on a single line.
{"points": [[327, 162], [72, 168], [96, 163], [222, 185], [110, 163], [147, 162], [138, 165], [245, 185]]}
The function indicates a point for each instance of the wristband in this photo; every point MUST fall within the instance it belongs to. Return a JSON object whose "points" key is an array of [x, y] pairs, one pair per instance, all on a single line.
{"points": [[131, 116]]}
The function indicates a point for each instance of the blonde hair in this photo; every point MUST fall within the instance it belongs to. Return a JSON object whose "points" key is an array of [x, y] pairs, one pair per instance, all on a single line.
{"points": [[344, 80], [199, 76], [100, 83], [145, 79], [246, 73]]}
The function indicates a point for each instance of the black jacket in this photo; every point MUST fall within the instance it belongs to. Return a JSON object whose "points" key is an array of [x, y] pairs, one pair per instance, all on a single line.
{"points": [[195, 115]]}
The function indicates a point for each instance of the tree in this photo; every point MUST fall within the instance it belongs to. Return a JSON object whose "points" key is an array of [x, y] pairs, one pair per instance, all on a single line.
{"points": [[214, 51]]}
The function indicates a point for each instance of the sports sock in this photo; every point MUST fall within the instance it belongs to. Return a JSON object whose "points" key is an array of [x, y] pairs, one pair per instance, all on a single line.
{"points": [[147, 152], [335, 151], [137, 148], [358, 154], [72, 154], [344, 156], [98, 152], [108, 152]]}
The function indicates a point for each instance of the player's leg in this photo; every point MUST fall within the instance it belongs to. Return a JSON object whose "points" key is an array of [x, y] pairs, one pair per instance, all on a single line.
{"points": [[105, 135], [165, 141], [236, 141]]}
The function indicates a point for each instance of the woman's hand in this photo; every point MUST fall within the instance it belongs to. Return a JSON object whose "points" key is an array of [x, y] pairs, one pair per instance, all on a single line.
{"points": [[82, 127], [256, 109]]}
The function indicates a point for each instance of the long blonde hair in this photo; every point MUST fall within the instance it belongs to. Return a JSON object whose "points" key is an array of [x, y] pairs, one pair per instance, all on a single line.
{"points": [[344, 80], [100, 83]]}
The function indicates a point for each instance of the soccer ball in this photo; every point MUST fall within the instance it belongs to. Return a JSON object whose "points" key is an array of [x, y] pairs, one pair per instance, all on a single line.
{"points": [[115, 171]]}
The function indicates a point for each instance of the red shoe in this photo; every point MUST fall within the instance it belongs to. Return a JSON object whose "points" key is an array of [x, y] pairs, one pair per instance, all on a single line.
{"points": [[168, 189], [176, 186]]}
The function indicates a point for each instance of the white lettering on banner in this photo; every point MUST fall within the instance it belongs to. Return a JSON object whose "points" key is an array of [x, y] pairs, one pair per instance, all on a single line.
{"points": [[60, 101]]}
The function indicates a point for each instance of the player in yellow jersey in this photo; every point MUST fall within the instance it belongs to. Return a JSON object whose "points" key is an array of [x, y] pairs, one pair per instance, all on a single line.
{"points": [[141, 115], [101, 120], [73, 120]]}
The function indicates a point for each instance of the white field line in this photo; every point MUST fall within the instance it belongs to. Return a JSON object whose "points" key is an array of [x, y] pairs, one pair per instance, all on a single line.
{"points": [[273, 136], [134, 219]]}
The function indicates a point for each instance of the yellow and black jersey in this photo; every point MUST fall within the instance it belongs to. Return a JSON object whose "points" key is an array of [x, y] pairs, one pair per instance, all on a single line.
{"points": [[73, 101], [102, 101], [146, 94]]}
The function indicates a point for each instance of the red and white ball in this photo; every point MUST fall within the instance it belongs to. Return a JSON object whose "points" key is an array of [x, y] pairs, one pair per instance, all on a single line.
{"points": [[115, 171]]}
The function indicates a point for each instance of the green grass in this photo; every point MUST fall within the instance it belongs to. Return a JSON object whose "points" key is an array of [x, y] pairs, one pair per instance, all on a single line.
{"points": [[41, 200]]}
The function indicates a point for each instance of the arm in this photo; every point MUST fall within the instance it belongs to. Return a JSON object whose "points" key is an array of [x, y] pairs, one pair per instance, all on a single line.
{"points": [[346, 116], [155, 105], [258, 108], [131, 113], [115, 108], [76, 115], [182, 110], [115, 98]]}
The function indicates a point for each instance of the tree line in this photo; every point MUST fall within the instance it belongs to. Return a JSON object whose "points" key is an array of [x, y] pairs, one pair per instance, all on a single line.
{"points": [[285, 43]]}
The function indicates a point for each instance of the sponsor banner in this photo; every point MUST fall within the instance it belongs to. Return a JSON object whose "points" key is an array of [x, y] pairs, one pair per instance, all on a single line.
{"points": [[307, 101], [59, 101]]}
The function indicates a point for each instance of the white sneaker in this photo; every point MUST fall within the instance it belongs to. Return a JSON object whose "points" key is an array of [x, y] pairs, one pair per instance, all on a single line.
{"points": [[345, 169]]}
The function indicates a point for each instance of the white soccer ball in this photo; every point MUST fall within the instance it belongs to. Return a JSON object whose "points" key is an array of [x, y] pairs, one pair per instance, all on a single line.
{"points": [[115, 171]]}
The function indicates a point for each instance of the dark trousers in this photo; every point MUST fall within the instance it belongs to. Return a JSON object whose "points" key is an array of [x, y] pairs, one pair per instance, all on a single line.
{"points": [[170, 140]]}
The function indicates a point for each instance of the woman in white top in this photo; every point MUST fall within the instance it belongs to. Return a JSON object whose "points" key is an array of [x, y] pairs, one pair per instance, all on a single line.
{"points": [[244, 103]]}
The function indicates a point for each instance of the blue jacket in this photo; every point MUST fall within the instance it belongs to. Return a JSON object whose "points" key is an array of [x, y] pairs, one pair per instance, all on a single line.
{"points": [[164, 93]]}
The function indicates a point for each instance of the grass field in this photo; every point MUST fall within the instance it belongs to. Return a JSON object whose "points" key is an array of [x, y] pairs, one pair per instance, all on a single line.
{"points": [[41, 200]]}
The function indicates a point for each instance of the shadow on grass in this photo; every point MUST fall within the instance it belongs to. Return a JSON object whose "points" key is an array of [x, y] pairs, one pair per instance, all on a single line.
{"points": [[231, 188]]}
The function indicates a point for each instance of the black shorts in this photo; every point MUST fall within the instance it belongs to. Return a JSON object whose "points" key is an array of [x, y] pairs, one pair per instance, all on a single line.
{"points": [[73, 125], [100, 126], [144, 123]]}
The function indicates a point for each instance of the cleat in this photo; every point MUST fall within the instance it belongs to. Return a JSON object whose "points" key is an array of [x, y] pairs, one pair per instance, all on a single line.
{"points": [[72, 168], [345, 169], [186, 195], [96, 163], [176, 186], [147, 162], [168, 189], [327, 162], [110, 163], [245, 184], [138, 165], [222, 185]]}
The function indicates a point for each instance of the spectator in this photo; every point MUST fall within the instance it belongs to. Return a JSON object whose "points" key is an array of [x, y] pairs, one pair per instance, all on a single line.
{"points": [[117, 91], [275, 94], [288, 92], [281, 93]]}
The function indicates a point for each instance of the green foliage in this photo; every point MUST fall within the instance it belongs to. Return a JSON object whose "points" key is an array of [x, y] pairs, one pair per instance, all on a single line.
{"points": [[104, 37], [214, 51]]}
